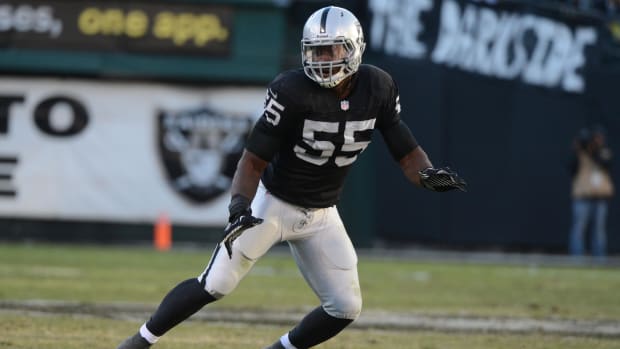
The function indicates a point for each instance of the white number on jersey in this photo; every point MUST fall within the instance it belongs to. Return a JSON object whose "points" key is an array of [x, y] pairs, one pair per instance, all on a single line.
{"points": [[272, 108], [327, 148]]}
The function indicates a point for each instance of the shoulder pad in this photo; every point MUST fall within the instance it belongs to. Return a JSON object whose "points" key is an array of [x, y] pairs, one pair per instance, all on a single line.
{"points": [[294, 84], [376, 75]]}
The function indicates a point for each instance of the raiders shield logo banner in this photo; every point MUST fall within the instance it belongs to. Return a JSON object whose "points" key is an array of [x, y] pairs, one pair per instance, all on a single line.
{"points": [[200, 149]]}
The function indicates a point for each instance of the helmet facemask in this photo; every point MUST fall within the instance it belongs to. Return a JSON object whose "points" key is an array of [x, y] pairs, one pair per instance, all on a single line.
{"points": [[332, 46], [328, 62]]}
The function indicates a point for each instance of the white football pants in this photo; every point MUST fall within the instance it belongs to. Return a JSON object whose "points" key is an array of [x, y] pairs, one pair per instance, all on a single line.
{"points": [[318, 241]]}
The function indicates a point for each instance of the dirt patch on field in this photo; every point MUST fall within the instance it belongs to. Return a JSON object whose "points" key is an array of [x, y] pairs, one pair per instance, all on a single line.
{"points": [[368, 319]]}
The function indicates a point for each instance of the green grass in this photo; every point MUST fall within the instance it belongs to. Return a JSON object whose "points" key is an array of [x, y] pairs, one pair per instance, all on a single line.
{"points": [[93, 274], [64, 332], [108, 274]]}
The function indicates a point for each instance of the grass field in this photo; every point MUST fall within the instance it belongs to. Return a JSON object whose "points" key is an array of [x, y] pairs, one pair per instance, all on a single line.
{"points": [[61, 332], [101, 275]]}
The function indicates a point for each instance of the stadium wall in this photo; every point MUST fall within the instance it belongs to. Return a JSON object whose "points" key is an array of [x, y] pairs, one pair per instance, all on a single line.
{"points": [[495, 91]]}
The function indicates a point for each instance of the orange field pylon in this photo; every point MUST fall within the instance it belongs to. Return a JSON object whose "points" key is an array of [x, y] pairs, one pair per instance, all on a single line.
{"points": [[162, 233]]}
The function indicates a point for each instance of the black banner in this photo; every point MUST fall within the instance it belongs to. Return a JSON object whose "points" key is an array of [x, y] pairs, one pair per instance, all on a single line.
{"points": [[508, 40], [496, 92], [116, 26]]}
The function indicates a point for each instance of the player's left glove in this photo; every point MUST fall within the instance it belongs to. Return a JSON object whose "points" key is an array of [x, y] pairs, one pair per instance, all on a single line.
{"points": [[239, 220], [441, 179], [234, 229]]}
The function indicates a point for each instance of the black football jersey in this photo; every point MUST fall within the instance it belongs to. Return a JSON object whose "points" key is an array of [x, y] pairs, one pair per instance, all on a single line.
{"points": [[311, 137]]}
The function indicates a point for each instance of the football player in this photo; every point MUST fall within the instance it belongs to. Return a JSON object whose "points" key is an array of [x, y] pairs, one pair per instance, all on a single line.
{"points": [[316, 121]]}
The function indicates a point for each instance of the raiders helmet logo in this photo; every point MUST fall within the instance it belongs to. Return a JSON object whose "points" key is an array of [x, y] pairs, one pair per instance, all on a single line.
{"points": [[200, 149]]}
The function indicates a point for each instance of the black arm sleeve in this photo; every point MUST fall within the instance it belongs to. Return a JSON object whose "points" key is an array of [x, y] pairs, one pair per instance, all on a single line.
{"points": [[272, 126], [395, 132], [262, 143], [399, 140]]}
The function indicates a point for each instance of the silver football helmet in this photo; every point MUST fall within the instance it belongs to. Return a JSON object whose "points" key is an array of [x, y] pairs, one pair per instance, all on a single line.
{"points": [[331, 46]]}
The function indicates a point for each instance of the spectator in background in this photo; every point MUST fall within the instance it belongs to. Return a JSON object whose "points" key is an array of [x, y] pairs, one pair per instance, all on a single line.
{"points": [[591, 190]]}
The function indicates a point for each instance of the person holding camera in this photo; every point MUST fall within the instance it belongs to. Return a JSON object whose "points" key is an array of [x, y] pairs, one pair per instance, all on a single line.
{"points": [[592, 188]]}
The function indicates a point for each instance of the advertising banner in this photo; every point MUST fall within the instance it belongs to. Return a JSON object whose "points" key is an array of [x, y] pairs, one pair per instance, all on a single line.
{"points": [[108, 26], [122, 152], [506, 41]]}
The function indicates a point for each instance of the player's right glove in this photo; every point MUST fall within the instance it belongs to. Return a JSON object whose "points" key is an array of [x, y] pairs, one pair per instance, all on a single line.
{"points": [[441, 179], [240, 219]]}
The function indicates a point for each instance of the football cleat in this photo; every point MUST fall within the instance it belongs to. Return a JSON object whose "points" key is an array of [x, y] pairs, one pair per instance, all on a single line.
{"points": [[276, 345], [135, 342]]}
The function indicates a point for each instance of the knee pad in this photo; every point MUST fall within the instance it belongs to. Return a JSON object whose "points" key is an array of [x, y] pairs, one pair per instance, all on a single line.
{"points": [[344, 306], [223, 274], [220, 285]]}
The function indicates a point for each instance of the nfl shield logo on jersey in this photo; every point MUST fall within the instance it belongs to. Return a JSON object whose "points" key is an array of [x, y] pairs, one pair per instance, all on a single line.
{"points": [[199, 149], [344, 105]]}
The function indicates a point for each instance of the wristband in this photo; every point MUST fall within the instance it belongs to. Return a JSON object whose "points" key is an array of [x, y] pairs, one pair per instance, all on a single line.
{"points": [[238, 204]]}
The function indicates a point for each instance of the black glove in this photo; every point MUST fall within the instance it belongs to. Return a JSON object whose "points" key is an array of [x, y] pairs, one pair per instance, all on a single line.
{"points": [[239, 220], [234, 229], [441, 179]]}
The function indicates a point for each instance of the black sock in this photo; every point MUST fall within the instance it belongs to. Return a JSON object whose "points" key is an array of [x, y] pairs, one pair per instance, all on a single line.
{"points": [[180, 303], [315, 328]]}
